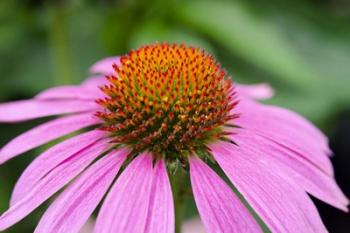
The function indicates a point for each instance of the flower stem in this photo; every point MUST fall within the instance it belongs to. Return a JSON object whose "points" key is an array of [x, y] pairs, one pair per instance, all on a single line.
{"points": [[179, 210], [178, 182]]}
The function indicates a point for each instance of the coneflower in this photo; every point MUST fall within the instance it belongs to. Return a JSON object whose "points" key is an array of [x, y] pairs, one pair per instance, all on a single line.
{"points": [[168, 110]]}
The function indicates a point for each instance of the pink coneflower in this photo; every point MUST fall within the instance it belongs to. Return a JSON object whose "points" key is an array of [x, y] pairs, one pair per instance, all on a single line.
{"points": [[168, 109]]}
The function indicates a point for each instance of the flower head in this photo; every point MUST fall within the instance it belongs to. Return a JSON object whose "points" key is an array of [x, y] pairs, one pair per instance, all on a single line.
{"points": [[169, 100], [161, 106]]}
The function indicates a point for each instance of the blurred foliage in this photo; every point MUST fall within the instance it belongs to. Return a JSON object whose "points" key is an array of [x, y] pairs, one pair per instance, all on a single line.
{"points": [[300, 47]]}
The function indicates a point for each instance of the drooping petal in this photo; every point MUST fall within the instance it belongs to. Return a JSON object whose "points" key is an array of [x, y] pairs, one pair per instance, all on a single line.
{"points": [[288, 130], [126, 206], [45, 133], [51, 159], [70, 92], [74, 206], [219, 208], [104, 66], [161, 207], [283, 115], [280, 203], [307, 176], [23, 110], [50, 184], [258, 91]]}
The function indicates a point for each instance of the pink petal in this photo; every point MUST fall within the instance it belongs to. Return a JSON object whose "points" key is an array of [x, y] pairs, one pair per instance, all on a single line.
{"points": [[70, 92], [95, 82], [126, 206], [219, 208], [45, 133], [280, 203], [161, 207], [74, 206], [287, 129], [104, 66], [50, 159], [307, 176], [282, 114], [23, 110], [259, 91], [50, 184]]}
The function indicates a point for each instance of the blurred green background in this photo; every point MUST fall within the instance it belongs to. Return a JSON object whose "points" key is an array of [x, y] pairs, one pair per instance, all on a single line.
{"points": [[300, 47]]}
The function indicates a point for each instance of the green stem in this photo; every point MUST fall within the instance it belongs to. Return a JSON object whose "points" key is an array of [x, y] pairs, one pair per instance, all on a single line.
{"points": [[179, 210], [178, 182]]}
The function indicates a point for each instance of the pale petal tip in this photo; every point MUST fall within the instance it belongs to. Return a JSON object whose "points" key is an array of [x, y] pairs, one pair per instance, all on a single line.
{"points": [[258, 91], [104, 66], [3, 157]]}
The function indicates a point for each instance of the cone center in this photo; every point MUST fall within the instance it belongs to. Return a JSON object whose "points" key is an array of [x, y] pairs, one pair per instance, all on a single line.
{"points": [[169, 100]]}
